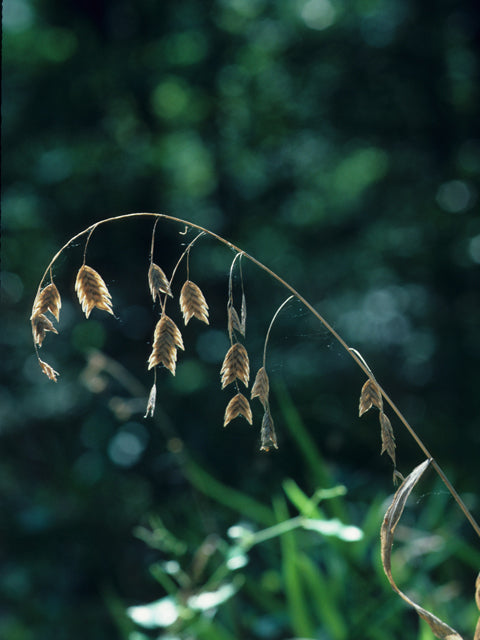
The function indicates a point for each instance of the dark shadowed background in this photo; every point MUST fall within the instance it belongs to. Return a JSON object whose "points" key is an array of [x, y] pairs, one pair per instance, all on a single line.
{"points": [[338, 142]]}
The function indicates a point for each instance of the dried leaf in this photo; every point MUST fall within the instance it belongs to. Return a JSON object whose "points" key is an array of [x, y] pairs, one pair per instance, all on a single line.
{"points": [[40, 325], [158, 282], [238, 406], [235, 365], [267, 433], [261, 387], [390, 521], [166, 339], [92, 291], [151, 402], [48, 370], [370, 396], [388, 439], [193, 303], [48, 299]]}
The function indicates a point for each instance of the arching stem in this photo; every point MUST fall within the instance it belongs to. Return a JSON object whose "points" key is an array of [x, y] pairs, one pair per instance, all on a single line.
{"points": [[305, 302]]}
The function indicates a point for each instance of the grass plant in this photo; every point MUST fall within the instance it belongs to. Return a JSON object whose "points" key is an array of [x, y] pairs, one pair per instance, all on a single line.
{"points": [[312, 588]]}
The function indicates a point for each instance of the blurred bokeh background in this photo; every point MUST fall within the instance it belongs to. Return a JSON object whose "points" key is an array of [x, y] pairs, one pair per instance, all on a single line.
{"points": [[338, 142]]}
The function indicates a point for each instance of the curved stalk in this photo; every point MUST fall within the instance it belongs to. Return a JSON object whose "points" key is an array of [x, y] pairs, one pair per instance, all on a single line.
{"points": [[352, 353]]}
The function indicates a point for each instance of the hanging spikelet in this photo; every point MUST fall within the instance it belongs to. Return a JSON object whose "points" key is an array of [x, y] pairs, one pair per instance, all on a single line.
{"points": [[369, 397], [243, 316], [48, 299], [158, 282], [388, 439], [193, 303], [92, 291], [267, 432], [238, 406], [235, 365], [48, 370], [233, 321], [151, 402], [40, 325], [261, 387], [166, 339]]}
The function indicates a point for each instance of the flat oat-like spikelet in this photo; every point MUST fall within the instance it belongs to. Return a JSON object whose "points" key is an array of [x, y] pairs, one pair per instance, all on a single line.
{"points": [[158, 282], [235, 365], [48, 299], [234, 322], [267, 433], [193, 303], [48, 370], [92, 291], [388, 439], [261, 387], [166, 339], [238, 406], [40, 325], [370, 396]]}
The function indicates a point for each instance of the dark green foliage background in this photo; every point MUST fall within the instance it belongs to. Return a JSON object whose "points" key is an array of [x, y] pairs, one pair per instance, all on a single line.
{"points": [[336, 141]]}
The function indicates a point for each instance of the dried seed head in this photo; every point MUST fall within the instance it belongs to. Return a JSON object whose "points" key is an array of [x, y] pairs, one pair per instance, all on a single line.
{"points": [[92, 291], [370, 396], [267, 433], [151, 402], [193, 303], [235, 365], [238, 406], [261, 387], [166, 339], [48, 370], [233, 321], [243, 316], [40, 325], [48, 299], [158, 282], [388, 439]]}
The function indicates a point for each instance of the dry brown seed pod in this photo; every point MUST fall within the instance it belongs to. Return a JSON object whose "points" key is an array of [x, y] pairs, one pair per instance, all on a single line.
{"points": [[48, 370], [388, 439], [238, 406], [193, 303], [267, 433], [261, 387], [158, 282], [40, 325], [166, 339], [235, 365], [48, 299], [369, 397], [92, 291]]}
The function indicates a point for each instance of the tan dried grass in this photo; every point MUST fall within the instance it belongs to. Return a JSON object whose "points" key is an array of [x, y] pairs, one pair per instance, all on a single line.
{"points": [[193, 303], [158, 282], [261, 387], [235, 366], [40, 325], [48, 370], [92, 291], [268, 436], [238, 406], [388, 439], [48, 299], [370, 396], [166, 339]]}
